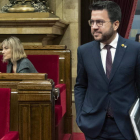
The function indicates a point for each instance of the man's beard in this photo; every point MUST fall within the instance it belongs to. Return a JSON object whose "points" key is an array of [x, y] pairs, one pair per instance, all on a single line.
{"points": [[106, 36]]}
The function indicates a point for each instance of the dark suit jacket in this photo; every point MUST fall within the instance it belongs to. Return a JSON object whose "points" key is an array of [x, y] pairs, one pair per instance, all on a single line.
{"points": [[24, 65], [93, 90]]}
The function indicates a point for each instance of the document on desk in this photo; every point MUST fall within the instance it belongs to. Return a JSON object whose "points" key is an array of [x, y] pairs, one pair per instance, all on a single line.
{"points": [[135, 118]]}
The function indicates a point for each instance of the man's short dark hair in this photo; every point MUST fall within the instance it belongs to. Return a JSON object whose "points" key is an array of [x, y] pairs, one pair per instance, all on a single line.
{"points": [[113, 9]]}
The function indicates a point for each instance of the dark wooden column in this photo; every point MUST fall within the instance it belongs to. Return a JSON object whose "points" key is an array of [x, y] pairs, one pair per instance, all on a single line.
{"points": [[85, 16]]}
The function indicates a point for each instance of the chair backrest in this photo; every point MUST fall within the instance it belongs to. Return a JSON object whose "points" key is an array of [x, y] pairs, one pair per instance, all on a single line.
{"points": [[43, 63], [47, 64], [4, 110], [2, 65]]}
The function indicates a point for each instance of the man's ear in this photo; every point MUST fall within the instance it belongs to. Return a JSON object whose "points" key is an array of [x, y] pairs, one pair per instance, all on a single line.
{"points": [[116, 25]]}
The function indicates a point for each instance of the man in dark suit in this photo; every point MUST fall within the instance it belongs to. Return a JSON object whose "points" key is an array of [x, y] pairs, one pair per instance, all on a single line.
{"points": [[108, 77]]}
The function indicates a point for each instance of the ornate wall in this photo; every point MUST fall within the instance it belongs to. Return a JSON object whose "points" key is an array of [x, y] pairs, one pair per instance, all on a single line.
{"points": [[67, 10]]}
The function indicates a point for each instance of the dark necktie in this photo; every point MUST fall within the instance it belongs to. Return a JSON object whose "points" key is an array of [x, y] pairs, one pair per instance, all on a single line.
{"points": [[108, 71], [108, 61]]}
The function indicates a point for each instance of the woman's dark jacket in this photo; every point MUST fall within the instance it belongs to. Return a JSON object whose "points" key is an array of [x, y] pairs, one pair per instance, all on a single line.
{"points": [[24, 65]]}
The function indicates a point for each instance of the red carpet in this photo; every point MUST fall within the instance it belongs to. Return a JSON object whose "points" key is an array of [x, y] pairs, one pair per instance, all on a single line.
{"points": [[74, 136], [67, 137], [78, 136]]}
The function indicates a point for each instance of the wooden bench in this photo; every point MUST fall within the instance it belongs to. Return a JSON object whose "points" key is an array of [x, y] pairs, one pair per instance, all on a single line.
{"points": [[65, 126], [32, 105]]}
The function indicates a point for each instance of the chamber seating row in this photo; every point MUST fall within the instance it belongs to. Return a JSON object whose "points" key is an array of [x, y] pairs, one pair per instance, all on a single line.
{"points": [[56, 62]]}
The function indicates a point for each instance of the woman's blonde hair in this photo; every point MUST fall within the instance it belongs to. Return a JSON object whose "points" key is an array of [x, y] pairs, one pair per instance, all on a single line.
{"points": [[17, 48]]}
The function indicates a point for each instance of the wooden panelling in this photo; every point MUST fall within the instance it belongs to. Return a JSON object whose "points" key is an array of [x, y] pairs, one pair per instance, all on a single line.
{"points": [[34, 85], [8, 84], [35, 121], [45, 109], [34, 97], [24, 121], [32, 106]]}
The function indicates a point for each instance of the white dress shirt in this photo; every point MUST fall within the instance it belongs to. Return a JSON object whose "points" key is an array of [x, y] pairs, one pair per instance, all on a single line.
{"points": [[103, 51]]}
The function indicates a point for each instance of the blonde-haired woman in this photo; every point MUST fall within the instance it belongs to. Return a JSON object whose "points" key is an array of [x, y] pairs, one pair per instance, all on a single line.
{"points": [[13, 53]]}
